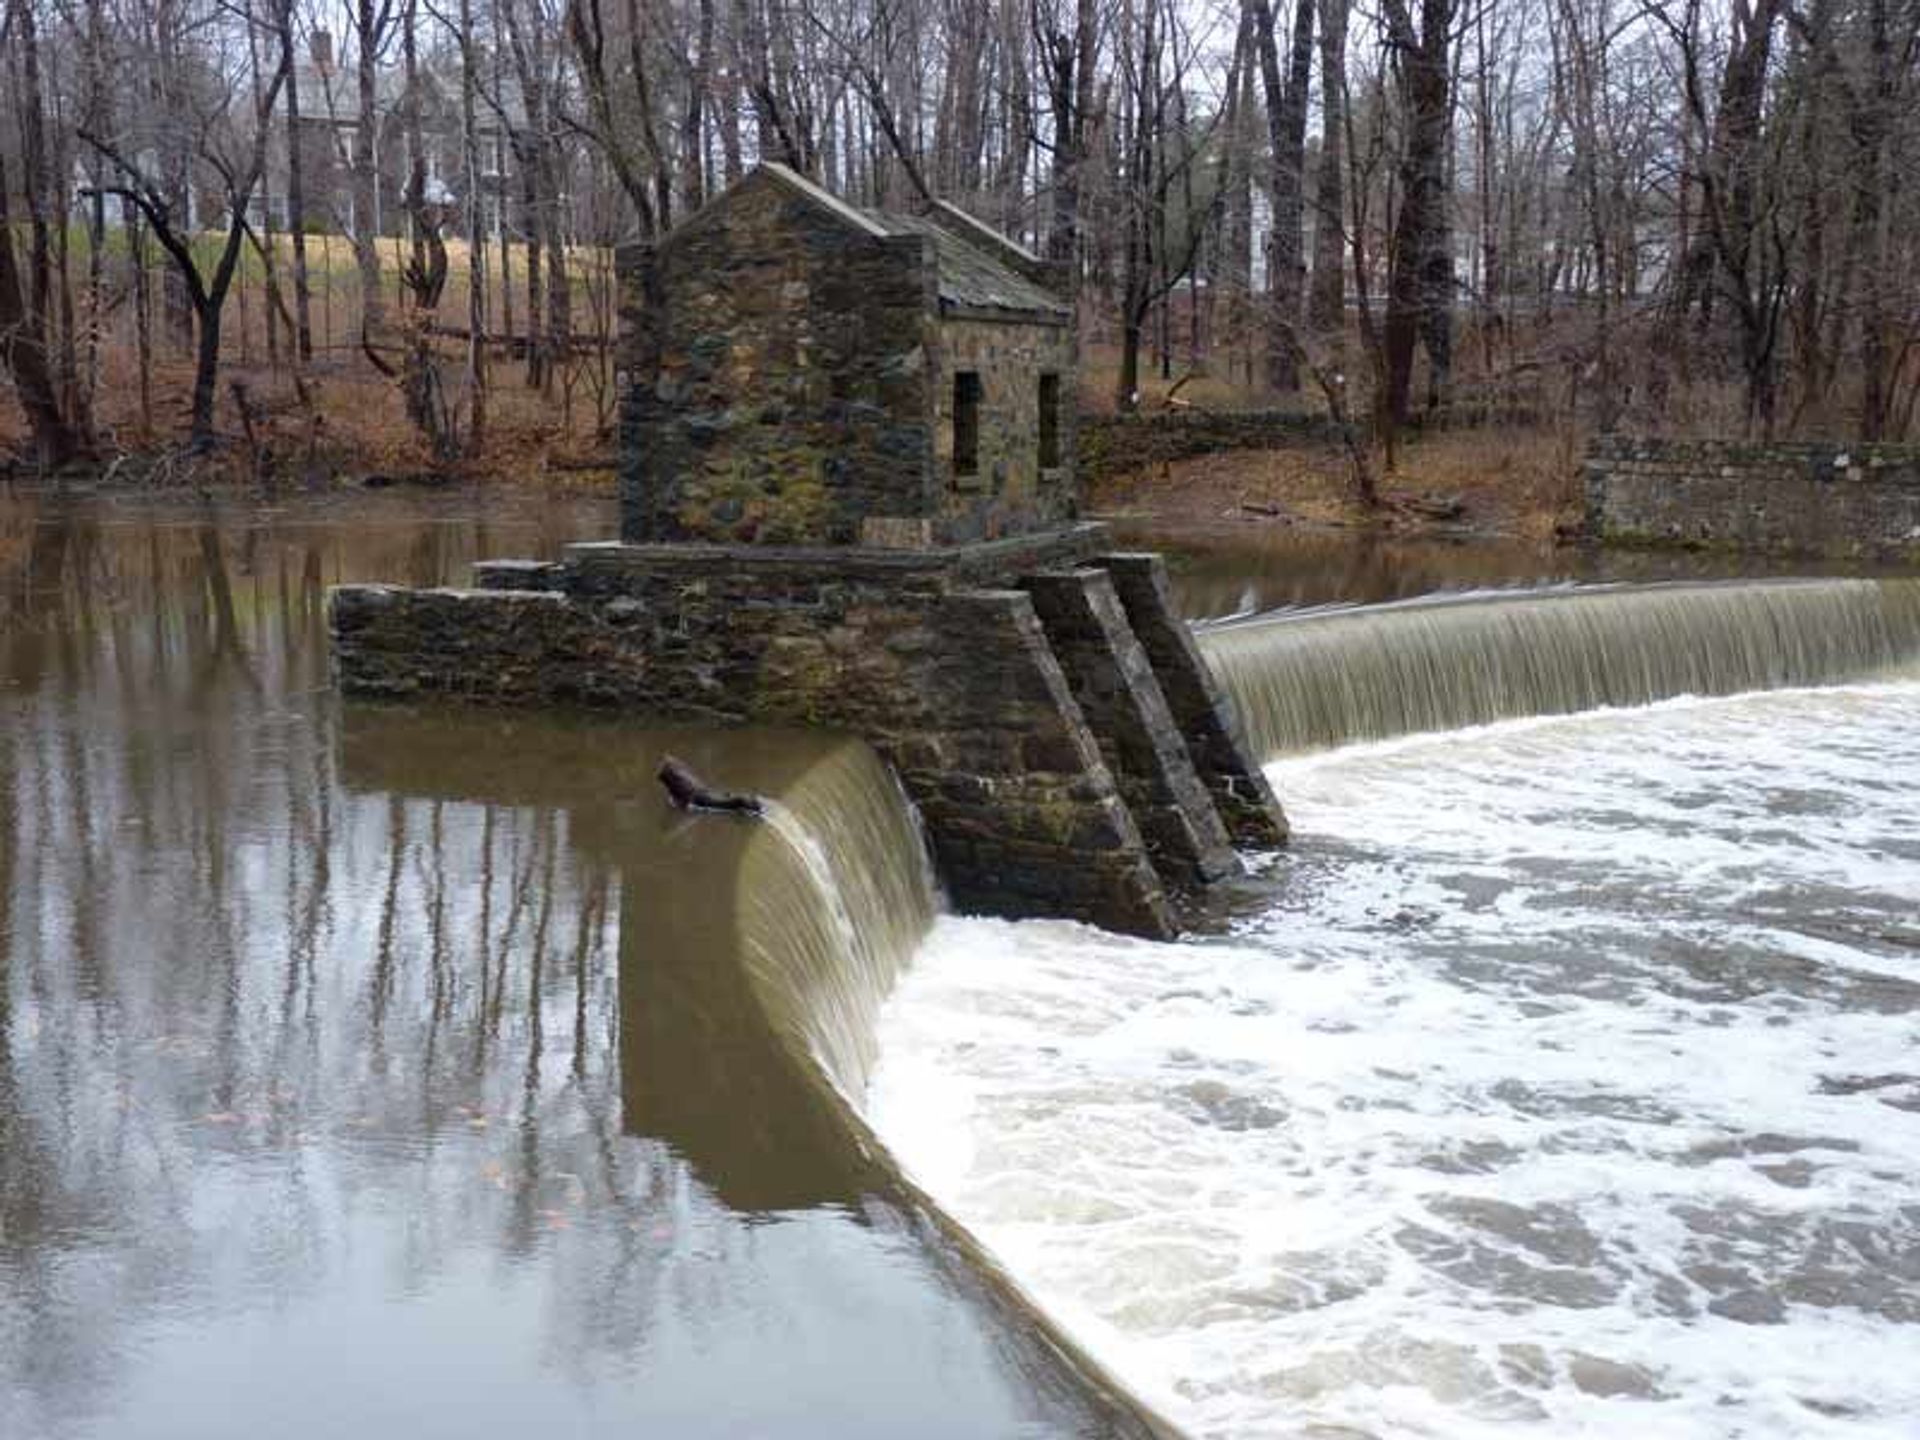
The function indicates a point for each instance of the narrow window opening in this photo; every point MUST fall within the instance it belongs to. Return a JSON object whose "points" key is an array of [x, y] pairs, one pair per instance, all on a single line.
{"points": [[1049, 422], [966, 423]]}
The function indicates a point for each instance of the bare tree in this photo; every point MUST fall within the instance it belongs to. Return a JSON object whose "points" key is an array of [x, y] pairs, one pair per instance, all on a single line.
{"points": [[1287, 133], [1420, 285], [234, 153]]}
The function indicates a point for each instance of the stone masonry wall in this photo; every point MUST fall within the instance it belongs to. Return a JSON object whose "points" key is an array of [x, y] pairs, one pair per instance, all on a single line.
{"points": [[957, 688], [1114, 681], [1200, 706], [1816, 498], [777, 376], [1111, 445], [1008, 489]]}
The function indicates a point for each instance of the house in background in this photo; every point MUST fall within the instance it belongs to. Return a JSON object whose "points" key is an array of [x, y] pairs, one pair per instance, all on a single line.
{"points": [[330, 119], [804, 372]]}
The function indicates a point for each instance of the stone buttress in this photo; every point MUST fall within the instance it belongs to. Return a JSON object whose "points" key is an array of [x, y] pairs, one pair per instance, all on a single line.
{"points": [[1041, 703]]}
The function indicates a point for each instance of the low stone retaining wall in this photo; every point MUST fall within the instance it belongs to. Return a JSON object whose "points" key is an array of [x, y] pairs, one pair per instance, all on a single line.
{"points": [[1028, 771], [1111, 445], [1116, 444], [1808, 497]]}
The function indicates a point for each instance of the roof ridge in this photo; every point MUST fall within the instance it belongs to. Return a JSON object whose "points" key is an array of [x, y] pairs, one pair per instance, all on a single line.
{"points": [[823, 197]]}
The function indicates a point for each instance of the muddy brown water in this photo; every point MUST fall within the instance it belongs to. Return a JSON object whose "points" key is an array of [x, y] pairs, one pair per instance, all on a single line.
{"points": [[1237, 571], [392, 1069], [380, 1070]]}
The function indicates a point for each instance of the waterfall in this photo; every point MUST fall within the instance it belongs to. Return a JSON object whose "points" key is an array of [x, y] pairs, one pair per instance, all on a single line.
{"points": [[1311, 682], [835, 895]]}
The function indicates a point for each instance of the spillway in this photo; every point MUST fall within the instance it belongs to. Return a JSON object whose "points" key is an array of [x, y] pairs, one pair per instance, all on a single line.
{"points": [[1566, 1087], [833, 898], [836, 893], [1326, 679]]}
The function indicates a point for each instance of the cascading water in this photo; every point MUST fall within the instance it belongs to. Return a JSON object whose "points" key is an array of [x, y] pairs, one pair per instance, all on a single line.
{"points": [[835, 896], [1328, 679], [1566, 1088], [1429, 1148]]}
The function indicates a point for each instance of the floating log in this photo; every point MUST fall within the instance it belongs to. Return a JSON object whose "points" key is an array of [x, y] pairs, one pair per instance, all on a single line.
{"points": [[687, 791]]}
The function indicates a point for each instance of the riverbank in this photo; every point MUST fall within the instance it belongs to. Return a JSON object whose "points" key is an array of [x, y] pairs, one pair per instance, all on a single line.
{"points": [[339, 426], [1521, 484]]}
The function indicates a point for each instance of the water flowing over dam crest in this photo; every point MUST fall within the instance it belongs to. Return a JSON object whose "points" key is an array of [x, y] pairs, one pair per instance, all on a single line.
{"points": [[1320, 680], [754, 959]]}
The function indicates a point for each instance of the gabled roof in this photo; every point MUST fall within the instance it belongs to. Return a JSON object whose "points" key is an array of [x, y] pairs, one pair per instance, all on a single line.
{"points": [[331, 93], [828, 201], [972, 276]]}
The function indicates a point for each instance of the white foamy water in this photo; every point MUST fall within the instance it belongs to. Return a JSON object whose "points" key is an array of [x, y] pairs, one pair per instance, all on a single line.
{"points": [[1570, 1089]]}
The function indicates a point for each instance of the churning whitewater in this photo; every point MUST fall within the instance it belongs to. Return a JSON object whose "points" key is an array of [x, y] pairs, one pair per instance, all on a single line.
{"points": [[1572, 1088]]}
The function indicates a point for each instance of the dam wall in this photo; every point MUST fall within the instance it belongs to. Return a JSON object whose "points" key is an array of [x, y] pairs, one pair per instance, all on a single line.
{"points": [[1786, 497], [1054, 774], [1340, 677]]}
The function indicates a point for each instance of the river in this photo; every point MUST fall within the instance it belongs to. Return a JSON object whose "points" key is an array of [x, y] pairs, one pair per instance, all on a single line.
{"points": [[380, 1070], [1568, 1089], [416, 1069]]}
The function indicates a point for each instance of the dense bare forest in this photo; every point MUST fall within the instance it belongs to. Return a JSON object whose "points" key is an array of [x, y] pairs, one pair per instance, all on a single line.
{"points": [[304, 236]]}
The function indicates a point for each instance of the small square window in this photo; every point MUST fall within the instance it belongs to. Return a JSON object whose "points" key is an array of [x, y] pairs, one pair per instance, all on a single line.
{"points": [[966, 423]]}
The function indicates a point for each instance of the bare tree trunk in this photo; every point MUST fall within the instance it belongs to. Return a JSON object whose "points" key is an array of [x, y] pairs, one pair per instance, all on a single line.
{"points": [[41, 360], [1287, 132], [26, 357], [1070, 57], [1011, 183], [370, 20], [476, 378], [1234, 271], [99, 112], [1420, 278], [142, 311], [535, 212], [1871, 121], [296, 186], [1327, 304], [693, 152], [1143, 167]]}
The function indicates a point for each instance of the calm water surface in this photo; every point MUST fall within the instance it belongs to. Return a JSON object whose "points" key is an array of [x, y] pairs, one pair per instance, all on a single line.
{"points": [[361, 1069], [1245, 570]]}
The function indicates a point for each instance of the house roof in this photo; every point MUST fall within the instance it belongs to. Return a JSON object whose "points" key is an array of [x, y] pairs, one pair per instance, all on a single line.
{"points": [[330, 93], [971, 276], [828, 201], [972, 279]]}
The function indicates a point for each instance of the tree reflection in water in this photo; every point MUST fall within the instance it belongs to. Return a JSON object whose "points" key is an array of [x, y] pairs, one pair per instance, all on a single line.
{"points": [[312, 1103]]}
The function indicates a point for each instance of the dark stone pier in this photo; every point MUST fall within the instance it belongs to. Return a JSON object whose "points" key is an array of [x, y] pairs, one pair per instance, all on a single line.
{"points": [[1063, 765]]}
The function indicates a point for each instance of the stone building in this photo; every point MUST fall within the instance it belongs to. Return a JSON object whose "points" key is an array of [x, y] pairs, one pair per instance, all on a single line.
{"points": [[804, 372], [847, 501]]}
